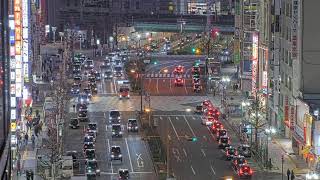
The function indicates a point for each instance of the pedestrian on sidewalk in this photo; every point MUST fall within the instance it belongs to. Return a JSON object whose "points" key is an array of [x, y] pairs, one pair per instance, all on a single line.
{"points": [[26, 138], [33, 139], [288, 174]]}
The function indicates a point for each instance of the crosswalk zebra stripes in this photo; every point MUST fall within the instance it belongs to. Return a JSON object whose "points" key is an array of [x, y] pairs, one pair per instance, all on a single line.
{"points": [[156, 75]]}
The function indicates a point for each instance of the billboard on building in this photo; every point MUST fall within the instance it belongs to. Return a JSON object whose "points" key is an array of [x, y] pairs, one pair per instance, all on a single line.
{"points": [[254, 59], [25, 36], [17, 7]]}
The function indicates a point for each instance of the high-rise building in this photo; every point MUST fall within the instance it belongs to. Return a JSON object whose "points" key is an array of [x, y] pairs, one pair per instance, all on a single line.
{"points": [[5, 162], [294, 99]]}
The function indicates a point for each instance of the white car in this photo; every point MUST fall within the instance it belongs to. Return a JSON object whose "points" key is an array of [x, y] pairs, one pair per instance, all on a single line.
{"points": [[205, 121]]}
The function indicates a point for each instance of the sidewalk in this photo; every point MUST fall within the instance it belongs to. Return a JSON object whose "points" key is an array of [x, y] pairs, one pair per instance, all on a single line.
{"points": [[277, 147], [28, 153]]}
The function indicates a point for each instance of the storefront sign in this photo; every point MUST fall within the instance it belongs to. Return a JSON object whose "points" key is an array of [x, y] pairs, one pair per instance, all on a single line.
{"points": [[13, 126], [286, 111], [264, 79], [299, 131], [292, 117], [18, 89], [13, 114]]}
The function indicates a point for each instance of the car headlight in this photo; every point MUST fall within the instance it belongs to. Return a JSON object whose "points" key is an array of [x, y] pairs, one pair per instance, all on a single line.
{"points": [[113, 132], [112, 156], [119, 117], [120, 96], [98, 170], [128, 95], [120, 155], [120, 132], [136, 127]]}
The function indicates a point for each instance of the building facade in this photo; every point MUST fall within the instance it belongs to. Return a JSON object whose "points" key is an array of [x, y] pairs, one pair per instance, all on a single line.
{"points": [[5, 159]]}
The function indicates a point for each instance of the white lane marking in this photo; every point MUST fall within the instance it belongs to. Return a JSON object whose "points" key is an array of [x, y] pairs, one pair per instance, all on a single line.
{"points": [[194, 135], [157, 86], [129, 154], [160, 118], [176, 154], [193, 118], [194, 173], [140, 162], [108, 142], [185, 152], [185, 86], [204, 154], [174, 129], [114, 86], [139, 172], [214, 172], [210, 133]]}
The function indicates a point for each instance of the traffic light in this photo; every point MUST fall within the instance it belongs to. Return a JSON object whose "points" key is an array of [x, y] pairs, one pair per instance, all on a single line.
{"points": [[193, 50], [194, 139]]}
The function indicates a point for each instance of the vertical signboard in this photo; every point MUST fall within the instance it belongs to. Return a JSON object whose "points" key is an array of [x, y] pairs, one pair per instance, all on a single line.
{"points": [[12, 80], [25, 37], [286, 111], [294, 32], [254, 59], [18, 45]]}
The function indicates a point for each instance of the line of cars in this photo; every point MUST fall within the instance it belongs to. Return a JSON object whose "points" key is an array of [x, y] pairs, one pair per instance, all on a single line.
{"points": [[117, 132], [83, 72], [196, 83], [113, 67], [211, 118]]}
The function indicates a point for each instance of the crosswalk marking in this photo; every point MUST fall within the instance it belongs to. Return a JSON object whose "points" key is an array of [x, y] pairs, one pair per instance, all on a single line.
{"points": [[160, 75]]}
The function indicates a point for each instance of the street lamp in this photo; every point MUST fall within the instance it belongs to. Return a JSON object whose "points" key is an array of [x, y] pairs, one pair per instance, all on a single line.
{"points": [[269, 132]]}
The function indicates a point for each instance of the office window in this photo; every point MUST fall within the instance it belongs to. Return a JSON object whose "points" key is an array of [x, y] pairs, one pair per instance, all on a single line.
{"points": [[137, 5], [75, 3], [290, 83], [126, 4], [290, 59], [286, 56], [68, 3]]}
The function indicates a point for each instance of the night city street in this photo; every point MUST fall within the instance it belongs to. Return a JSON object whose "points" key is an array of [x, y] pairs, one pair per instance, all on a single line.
{"points": [[159, 90]]}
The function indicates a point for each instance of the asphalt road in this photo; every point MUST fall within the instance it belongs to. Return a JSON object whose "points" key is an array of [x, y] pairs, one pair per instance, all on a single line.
{"points": [[159, 79], [201, 159], [136, 157]]}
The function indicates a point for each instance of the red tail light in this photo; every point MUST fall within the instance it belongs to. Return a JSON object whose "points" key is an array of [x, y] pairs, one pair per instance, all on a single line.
{"points": [[240, 172], [251, 172], [227, 153]]}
